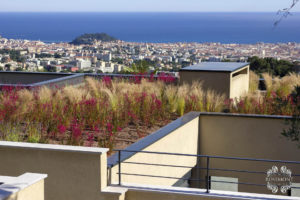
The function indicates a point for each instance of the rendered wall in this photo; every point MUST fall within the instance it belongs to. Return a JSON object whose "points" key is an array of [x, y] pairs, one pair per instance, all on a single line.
{"points": [[192, 194], [239, 84], [247, 137], [152, 195], [28, 186], [28, 78], [217, 81], [74, 173], [182, 140], [33, 192]]}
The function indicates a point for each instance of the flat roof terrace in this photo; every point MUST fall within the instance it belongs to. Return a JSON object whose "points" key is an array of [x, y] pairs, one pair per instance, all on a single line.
{"points": [[37, 79], [216, 67]]}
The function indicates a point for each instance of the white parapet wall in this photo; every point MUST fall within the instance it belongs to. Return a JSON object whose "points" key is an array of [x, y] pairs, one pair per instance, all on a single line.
{"points": [[74, 173], [180, 136], [246, 136], [28, 186], [214, 134], [79, 173]]}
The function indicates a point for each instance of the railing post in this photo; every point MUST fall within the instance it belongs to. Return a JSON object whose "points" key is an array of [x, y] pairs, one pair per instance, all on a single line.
{"points": [[119, 161], [207, 174]]}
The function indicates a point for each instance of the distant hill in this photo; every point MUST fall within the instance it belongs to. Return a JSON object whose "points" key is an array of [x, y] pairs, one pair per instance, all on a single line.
{"points": [[90, 38]]}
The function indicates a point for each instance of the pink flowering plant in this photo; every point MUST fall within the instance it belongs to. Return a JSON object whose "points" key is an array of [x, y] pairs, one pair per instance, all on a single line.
{"points": [[100, 112]]}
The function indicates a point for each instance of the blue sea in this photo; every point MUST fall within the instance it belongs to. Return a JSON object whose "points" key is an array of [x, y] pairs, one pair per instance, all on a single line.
{"points": [[153, 27]]}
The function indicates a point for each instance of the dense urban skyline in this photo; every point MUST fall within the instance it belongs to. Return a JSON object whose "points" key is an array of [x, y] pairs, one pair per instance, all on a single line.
{"points": [[145, 6]]}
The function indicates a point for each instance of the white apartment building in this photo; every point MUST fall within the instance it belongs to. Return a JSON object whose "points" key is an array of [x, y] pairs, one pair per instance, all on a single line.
{"points": [[82, 64], [107, 67]]}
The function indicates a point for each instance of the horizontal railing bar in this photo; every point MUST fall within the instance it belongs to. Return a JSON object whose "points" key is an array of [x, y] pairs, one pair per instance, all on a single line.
{"points": [[236, 170], [161, 165], [163, 153], [167, 177], [243, 183], [216, 169], [200, 180], [205, 156], [241, 171], [201, 168]]}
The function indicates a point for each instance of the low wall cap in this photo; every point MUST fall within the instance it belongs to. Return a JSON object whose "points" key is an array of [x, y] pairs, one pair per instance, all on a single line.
{"points": [[216, 66], [54, 147]]}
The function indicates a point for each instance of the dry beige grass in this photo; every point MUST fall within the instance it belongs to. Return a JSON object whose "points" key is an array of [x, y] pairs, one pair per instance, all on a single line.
{"points": [[268, 80], [74, 94], [45, 94], [282, 86], [253, 82]]}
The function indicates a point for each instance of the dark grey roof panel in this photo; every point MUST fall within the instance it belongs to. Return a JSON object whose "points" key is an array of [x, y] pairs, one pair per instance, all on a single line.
{"points": [[216, 66]]}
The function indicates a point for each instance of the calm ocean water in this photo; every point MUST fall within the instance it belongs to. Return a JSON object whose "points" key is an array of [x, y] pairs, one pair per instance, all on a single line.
{"points": [[152, 27]]}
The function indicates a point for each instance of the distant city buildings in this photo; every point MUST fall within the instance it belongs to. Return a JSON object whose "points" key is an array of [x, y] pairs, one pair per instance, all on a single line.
{"points": [[112, 57]]}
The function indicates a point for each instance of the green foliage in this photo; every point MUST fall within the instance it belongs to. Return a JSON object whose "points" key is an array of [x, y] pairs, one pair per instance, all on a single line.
{"points": [[4, 60], [43, 55], [270, 65], [80, 71], [10, 132], [89, 38], [56, 55], [180, 106], [141, 66], [19, 69], [7, 67], [50, 69], [33, 132], [117, 60], [13, 54], [293, 132]]}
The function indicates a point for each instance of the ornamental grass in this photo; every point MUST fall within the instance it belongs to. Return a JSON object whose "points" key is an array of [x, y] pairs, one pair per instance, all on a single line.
{"points": [[94, 114]]}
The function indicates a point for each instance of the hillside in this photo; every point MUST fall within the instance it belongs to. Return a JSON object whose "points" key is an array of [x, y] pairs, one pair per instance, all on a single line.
{"points": [[89, 38]]}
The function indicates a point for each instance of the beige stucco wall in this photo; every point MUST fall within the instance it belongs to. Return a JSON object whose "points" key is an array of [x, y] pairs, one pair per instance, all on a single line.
{"points": [[151, 195], [248, 137], [75, 173], [221, 82], [183, 140], [33, 192], [217, 81], [192, 194], [239, 85]]}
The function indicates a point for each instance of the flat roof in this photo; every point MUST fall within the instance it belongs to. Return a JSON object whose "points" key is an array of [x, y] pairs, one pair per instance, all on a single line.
{"points": [[53, 147], [216, 66]]}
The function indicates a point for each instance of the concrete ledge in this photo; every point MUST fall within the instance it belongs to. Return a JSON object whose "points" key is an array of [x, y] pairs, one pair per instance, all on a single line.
{"points": [[164, 131], [74, 172], [38, 79], [13, 185], [114, 193], [244, 115], [154, 137], [146, 192], [53, 147]]}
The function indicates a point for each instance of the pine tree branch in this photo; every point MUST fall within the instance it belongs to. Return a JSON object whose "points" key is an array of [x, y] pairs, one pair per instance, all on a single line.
{"points": [[284, 13]]}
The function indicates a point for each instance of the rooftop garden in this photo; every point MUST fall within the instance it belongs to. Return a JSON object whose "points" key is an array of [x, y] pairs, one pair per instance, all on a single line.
{"points": [[116, 113]]}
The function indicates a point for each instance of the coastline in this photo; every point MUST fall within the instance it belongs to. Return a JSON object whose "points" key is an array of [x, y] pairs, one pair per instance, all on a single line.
{"points": [[153, 27]]}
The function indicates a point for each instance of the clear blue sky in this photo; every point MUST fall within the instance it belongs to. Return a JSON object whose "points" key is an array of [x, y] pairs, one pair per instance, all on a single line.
{"points": [[145, 5]]}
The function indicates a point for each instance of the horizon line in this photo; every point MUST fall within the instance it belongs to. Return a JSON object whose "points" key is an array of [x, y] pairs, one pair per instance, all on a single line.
{"points": [[143, 12]]}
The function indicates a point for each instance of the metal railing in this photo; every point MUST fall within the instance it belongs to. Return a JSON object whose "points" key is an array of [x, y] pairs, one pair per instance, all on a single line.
{"points": [[207, 169]]}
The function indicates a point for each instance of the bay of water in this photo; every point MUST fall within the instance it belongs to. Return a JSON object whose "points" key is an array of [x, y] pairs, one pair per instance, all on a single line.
{"points": [[153, 27]]}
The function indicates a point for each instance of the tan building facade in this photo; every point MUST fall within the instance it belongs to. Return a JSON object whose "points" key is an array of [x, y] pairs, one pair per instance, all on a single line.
{"points": [[230, 79], [76, 173]]}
